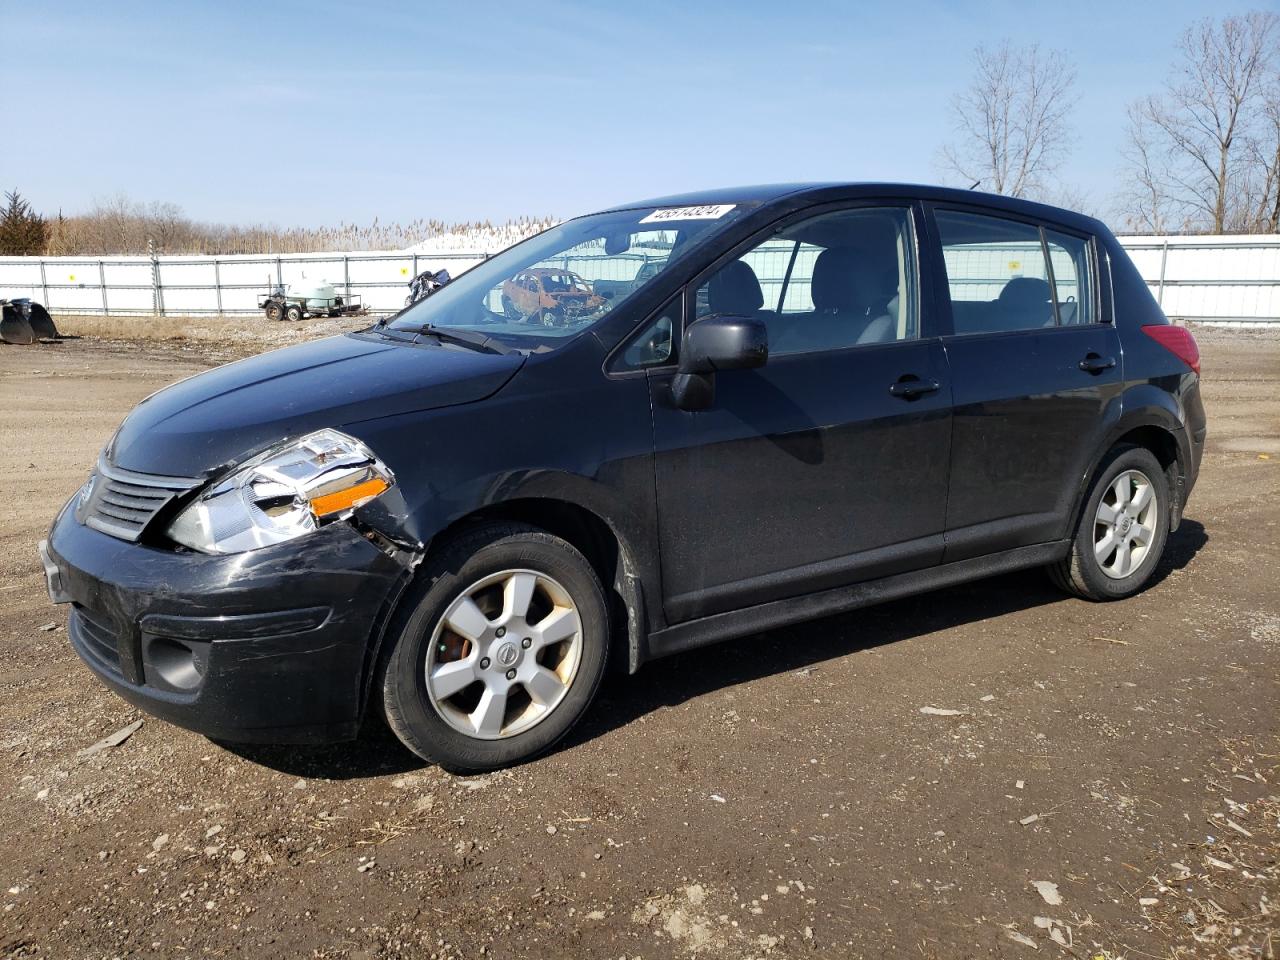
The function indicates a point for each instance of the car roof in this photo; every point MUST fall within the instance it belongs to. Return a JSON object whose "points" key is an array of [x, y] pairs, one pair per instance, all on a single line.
{"points": [[792, 192], [763, 192], [547, 271]]}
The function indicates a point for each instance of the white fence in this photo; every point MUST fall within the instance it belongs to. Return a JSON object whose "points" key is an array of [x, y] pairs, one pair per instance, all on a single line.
{"points": [[188, 286], [1222, 280], [1230, 281]]}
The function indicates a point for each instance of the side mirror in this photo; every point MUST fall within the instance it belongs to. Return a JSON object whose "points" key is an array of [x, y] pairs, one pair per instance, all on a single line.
{"points": [[711, 345]]}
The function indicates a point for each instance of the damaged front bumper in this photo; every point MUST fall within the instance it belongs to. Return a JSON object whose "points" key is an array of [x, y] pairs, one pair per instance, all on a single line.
{"points": [[274, 645]]}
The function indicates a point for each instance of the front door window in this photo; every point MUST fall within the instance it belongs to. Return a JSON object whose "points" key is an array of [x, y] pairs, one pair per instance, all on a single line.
{"points": [[834, 281]]}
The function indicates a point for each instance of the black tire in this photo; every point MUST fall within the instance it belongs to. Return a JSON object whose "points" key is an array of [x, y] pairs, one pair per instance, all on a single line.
{"points": [[293, 313], [14, 327], [1080, 572], [42, 324], [273, 312], [476, 554]]}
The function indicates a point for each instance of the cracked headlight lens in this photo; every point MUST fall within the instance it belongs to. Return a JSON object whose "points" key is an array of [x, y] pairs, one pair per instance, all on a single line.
{"points": [[283, 493], [85, 492]]}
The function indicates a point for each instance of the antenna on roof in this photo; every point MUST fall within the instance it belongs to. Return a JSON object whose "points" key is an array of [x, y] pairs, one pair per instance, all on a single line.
{"points": [[974, 185]]}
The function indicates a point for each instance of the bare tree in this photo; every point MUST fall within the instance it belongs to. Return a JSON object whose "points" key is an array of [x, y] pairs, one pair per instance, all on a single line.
{"points": [[166, 224], [1011, 122], [111, 226], [1148, 205], [1190, 148], [1264, 163]]}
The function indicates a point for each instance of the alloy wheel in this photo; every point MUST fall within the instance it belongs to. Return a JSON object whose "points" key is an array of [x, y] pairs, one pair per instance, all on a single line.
{"points": [[1125, 524], [504, 654]]}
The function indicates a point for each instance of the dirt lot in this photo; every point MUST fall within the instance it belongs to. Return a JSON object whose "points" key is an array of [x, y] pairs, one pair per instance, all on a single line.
{"points": [[783, 796]]}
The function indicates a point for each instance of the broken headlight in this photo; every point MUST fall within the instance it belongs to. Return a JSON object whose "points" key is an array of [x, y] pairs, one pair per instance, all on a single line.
{"points": [[283, 493]]}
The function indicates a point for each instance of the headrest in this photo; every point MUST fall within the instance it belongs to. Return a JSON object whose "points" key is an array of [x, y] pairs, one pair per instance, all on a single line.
{"points": [[847, 278], [1026, 293], [734, 290], [835, 279]]}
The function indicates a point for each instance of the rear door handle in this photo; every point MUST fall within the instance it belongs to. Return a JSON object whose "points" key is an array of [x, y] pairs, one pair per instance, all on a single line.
{"points": [[1096, 364], [910, 387]]}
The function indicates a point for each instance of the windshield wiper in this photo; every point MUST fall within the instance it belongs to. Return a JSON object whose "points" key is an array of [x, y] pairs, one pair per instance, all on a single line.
{"points": [[465, 338]]}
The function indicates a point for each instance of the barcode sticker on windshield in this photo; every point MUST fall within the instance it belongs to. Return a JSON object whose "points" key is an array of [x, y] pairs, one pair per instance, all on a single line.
{"points": [[711, 211]]}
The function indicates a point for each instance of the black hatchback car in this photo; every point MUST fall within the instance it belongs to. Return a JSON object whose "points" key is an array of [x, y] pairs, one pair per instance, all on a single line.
{"points": [[819, 397]]}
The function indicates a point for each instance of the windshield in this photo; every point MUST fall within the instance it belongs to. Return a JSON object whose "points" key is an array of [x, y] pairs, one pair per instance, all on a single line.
{"points": [[558, 283]]}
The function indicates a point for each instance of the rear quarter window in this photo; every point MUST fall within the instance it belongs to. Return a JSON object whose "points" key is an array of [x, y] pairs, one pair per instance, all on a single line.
{"points": [[1072, 265]]}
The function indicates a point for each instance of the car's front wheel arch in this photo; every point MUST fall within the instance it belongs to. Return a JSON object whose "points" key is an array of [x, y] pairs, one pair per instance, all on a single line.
{"points": [[492, 557], [608, 552]]}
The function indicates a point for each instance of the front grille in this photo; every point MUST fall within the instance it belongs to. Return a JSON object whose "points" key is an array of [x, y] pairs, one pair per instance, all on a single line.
{"points": [[96, 636], [122, 502]]}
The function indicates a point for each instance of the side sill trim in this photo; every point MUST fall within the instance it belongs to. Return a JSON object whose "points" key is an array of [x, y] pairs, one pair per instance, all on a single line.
{"points": [[778, 613]]}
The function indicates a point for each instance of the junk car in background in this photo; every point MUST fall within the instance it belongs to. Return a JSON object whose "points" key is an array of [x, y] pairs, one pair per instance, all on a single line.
{"points": [[549, 296]]}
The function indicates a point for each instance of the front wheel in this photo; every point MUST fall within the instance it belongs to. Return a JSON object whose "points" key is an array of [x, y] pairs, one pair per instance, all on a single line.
{"points": [[1122, 531], [498, 651]]}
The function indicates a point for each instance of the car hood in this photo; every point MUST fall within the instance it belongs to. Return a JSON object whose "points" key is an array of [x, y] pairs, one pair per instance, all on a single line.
{"points": [[204, 423]]}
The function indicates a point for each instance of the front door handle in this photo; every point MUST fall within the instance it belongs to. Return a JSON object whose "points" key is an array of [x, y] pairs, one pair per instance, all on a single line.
{"points": [[910, 387], [1096, 364]]}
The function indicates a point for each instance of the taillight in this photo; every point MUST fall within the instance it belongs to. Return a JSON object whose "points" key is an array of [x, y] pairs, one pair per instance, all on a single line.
{"points": [[1178, 341]]}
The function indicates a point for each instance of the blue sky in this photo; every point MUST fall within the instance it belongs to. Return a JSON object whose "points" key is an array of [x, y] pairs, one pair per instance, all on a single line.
{"points": [[316, 112]]}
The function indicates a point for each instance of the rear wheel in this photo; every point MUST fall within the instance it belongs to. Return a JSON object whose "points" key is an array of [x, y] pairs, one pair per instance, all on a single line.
{"points": [[273, 311], [293, 313], [1122, 531], [498, 652]]}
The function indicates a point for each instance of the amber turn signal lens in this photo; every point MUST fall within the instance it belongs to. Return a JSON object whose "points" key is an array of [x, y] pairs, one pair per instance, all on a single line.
{"points": [[345, 499]]}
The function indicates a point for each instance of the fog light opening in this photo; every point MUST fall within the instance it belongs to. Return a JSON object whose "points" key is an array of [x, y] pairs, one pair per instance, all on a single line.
{"points": [[177, 664]]}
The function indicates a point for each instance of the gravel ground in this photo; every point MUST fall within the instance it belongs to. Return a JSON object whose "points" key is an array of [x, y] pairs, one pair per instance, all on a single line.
{"points": [[1109, 787]]}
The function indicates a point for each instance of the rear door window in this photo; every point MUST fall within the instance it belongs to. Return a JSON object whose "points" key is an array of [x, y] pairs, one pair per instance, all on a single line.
{"points": [[1005, 275], [997, 274]]}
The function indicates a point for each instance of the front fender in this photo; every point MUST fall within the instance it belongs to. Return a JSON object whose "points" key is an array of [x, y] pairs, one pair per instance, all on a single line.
{"points": [[570, 436]]}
